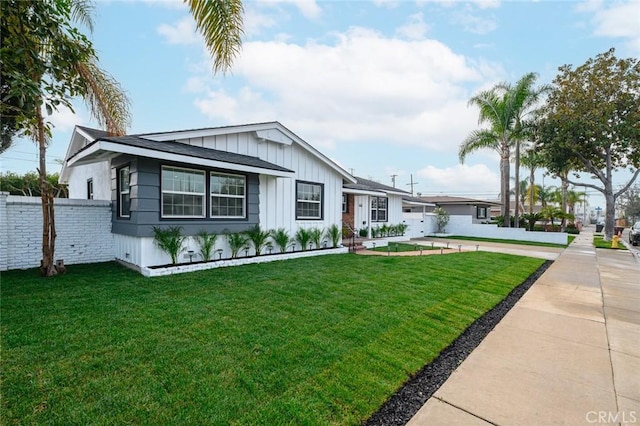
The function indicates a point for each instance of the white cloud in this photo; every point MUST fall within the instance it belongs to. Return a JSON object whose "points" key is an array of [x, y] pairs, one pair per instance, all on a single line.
{"points": [[415, 28], [616, 20], [475, 23], [389, 4], [475, 181], [409, 93], [487, 4], [63, 119], [308, 8], [182, 32]]}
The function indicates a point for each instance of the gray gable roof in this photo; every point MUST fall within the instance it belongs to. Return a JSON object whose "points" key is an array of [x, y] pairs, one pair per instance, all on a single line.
{"points": [[369, 185], [173, 147], [94, 133]]}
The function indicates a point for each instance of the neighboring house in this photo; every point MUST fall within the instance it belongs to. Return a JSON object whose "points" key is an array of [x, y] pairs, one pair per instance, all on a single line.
{"points": [[366, 203], [223, 179], [479, 210]]}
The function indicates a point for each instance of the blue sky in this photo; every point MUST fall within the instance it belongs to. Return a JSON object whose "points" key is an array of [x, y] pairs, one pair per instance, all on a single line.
{"points": [[380, 87]]}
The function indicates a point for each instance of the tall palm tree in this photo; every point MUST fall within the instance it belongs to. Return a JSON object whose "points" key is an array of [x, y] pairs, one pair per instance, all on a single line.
{"points": [[532, 160], [60, 63], [504, 108]]}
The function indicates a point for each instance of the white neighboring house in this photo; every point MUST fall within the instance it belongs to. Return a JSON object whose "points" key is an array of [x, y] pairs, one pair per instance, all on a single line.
{"points": [[223, 179], [367, 203]]}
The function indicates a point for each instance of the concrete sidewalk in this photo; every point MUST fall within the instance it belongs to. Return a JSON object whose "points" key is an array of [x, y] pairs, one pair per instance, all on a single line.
{"points": [[567, 353]]}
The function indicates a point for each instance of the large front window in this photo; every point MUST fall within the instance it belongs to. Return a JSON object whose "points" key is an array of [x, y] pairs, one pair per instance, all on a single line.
{"points": [[228, 195], [308, 200], [183, 192], [378, 209], [124, 202]]}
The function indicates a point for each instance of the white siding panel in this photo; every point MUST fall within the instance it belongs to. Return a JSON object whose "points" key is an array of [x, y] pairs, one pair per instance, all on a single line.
{"points": [[101, 175]]}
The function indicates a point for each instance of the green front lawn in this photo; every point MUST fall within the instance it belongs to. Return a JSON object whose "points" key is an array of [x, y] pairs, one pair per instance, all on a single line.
{"points": [[401, 247], [322, 340], [518, 242]]}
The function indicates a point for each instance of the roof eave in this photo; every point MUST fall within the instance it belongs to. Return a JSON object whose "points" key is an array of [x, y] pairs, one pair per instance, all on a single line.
{"points": [[102, 150]]}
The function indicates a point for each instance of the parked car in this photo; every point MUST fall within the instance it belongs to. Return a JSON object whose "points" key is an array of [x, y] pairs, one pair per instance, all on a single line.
{"points": [[634, 234]]}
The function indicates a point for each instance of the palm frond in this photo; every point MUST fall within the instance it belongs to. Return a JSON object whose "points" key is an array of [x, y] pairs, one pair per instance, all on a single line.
{"points": [[105, 98], [478, 139], [221, 24]]}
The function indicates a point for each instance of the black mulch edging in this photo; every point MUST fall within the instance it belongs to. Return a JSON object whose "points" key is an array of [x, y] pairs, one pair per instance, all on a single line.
{"points": [[406, 402]]}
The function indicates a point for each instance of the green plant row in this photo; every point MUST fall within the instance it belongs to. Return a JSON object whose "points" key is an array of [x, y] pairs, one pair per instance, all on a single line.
{"points": [[385, 230], [171, 240]]}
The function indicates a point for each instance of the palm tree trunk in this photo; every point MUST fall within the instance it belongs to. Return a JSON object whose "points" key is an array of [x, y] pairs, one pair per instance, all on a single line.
{"points": [[516, 221], [565, 188], [532, 188], [47, 267], [505, 175]]}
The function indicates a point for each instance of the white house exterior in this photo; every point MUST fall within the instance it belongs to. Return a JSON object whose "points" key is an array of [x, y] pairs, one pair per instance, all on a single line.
{"points": [[367, 204], [223, 179]]}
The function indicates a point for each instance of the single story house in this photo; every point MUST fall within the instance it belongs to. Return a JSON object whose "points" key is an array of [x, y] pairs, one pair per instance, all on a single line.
{"points": [[221, 179], [366, 203], [479, 210]]}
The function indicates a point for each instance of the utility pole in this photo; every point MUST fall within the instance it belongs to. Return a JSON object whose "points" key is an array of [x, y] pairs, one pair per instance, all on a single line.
{"points": [[393, 180], [412, 184], [351, 170]]}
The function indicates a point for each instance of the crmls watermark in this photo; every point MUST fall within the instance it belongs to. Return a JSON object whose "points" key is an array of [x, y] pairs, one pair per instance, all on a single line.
{"points": [[610, 417]]}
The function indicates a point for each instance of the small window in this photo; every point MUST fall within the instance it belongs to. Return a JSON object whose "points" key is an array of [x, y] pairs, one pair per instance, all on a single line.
{"points": [[345, 205], [124, 202], [481, 212], [228, 195], [89, 189], [379, 209], [309, 200], [183, 192]]}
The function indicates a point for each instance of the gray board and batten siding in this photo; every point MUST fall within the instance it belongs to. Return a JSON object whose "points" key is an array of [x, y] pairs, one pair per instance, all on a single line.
{"points": [[145, 198]]}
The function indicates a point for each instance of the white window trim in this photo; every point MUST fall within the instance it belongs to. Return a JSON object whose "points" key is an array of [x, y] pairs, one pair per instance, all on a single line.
{"points": [[121, 192], [163, 191], [243, 197], [378, 210], [319, 202]]}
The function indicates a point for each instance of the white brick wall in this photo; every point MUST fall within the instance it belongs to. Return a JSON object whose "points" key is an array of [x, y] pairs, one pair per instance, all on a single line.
{"points": [[83, 230]]}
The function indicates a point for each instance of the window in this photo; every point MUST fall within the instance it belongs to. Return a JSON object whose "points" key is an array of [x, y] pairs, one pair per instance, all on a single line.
{"points": [[124, 203], [183, 192], [89, 189], [378, 209], [345, 205], [228, 195], [481, 212], [308, 200]]}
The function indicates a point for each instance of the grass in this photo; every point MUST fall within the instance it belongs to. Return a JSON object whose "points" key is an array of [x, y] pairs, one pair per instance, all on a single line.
{"points": [[599, 242], [518, 242], [323, 340], [400, 247]]}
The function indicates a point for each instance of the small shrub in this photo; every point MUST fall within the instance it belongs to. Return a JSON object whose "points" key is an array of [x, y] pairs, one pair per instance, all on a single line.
{"points": [[442, 219], [384, 230], [281, 237], [258, 237], [303, 236], [363, 232], [169, 240], [237, 241], [375, 232], [402, 228], [333, 233], [207, 242], [315, 235]]}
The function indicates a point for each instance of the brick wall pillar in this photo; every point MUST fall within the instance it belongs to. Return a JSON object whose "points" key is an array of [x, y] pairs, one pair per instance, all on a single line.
{"points": [[4, 234]]}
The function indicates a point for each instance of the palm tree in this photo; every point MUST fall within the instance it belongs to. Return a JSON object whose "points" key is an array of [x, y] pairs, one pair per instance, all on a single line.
{"points": [[574, 197], [533, 161], [221, 24], [546, 194], [48, 61], [504, 108], [521, 190]]}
